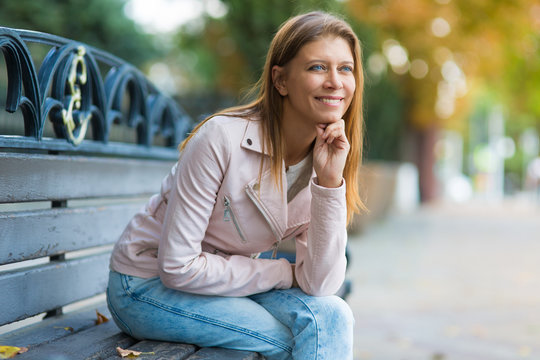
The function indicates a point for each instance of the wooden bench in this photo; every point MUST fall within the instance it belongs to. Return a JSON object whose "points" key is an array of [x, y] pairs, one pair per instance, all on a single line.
{"points": [[68, 187]]}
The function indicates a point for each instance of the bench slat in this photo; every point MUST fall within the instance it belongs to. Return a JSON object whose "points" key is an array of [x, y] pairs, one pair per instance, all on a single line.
{"points": [[46, 287], [225, 354], [54, 328], [161, 350], [32, 177], [48, 232], [97, 342]]}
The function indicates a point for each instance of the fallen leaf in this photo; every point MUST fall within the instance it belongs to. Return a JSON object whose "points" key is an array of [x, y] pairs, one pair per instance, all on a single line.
{"points": [[131, 354], [8, 352], [67, 328], [127, 353], [101, 318]]}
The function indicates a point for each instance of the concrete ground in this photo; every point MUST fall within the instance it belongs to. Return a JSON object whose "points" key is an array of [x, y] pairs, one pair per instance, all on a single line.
{"points": [[449, 282]]}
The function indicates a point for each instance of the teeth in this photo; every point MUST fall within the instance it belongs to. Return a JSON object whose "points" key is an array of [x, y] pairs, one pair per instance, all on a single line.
{"points": [[330, 101]]}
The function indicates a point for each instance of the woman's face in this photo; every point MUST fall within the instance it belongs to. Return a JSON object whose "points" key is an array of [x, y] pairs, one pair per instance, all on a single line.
{"points": [[318, 84]]}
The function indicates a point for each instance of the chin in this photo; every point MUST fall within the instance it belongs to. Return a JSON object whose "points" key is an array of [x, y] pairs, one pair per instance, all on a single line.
{"points": [[330, 119]]}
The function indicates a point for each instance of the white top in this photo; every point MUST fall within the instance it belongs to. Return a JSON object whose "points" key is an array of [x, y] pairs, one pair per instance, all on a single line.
{"points": [[294, 171], [298, 176]]}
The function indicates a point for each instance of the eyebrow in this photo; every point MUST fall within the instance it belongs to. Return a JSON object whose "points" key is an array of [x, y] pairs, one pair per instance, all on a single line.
{"points": [[346, 62]]}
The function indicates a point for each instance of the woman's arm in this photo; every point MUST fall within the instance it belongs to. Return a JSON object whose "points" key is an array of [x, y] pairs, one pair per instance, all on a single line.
{"points": [[182, 263], [321, 262], [320, 251]]}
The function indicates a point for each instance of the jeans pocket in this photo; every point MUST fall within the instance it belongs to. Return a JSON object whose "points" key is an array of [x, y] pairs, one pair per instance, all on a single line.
{"points": [[134, 285]]}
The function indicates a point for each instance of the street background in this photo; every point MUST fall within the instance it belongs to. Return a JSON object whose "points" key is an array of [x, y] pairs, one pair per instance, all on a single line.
{"points": [[449, 281]]}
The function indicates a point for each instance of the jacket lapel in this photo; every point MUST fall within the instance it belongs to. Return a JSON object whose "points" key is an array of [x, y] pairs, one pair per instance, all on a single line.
{"points": [[268, 197]]}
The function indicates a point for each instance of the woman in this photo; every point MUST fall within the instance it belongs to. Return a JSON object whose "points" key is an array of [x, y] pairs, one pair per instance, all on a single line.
{"points": [[186, 269]]}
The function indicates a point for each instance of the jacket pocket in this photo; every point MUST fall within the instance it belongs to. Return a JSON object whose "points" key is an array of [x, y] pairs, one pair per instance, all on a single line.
{"points": [[228, 215]]}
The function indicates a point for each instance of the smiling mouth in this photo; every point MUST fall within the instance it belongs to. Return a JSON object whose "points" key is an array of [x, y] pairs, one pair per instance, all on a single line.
{"points": [[330, 101]]}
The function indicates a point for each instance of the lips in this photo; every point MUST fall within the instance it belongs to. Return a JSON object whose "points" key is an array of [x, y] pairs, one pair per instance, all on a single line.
{"points": [[330, 100]]}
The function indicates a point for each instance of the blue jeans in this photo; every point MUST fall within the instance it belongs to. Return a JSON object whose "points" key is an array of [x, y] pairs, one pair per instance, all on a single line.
{"points": [[279, 324]]}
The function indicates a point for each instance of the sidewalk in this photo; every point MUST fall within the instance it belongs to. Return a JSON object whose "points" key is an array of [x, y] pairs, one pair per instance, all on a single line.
{"points": [[449, 282]]}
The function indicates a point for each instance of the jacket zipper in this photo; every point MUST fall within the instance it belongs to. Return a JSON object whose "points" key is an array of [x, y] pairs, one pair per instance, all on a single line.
{"points": [[261, 209], [276, 244], [295, 232], [255, 201], [228, 215]]}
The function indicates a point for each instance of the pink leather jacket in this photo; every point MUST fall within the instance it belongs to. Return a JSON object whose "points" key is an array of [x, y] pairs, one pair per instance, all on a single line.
{"points": [[203, 232]]}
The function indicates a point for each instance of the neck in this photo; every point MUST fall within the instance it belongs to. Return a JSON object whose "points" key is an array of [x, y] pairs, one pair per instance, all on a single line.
{"points": [[298, 139]]}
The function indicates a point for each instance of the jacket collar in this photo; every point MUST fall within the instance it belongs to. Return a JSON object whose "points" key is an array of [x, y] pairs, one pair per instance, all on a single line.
{"points": [[252, 139]]}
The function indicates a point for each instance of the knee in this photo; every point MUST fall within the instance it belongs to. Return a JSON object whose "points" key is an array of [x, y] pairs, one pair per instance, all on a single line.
{"points": [[332, 326], [335, 329], [332, 311], [326, 312]]}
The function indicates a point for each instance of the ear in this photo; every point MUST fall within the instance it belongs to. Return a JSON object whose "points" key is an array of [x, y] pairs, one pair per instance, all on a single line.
{"points": [[279, 80]]}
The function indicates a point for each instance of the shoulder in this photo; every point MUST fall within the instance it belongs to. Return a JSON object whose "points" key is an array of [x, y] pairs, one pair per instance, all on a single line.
{"points": [[225, 123], [219, 136], [226, 128]]}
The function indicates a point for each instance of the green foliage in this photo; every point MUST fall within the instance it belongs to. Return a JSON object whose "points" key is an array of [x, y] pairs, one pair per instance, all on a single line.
{"points": [[100, 23], [384, 120], [252, 24], [196, 54], [383, 103]]}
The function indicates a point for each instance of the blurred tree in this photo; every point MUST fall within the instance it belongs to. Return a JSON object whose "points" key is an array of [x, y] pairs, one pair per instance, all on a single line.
{"points": [[100, 23], [445, 53], [229, 52], [252, 24]]}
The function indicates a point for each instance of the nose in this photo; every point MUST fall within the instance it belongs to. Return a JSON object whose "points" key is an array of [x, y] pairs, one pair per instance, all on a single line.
{"points": [[333, 80]]}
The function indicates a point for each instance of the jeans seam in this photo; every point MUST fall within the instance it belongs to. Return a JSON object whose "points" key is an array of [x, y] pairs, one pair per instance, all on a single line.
{"points": [[125, 284], [115, 314], [313, 317], [225, 325]]}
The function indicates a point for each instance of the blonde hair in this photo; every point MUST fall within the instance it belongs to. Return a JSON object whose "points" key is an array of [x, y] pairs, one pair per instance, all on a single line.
{"points": [[268, 107]]}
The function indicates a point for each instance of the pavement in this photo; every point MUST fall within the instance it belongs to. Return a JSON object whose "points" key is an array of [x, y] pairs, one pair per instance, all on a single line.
{"points": [[449, 281]]}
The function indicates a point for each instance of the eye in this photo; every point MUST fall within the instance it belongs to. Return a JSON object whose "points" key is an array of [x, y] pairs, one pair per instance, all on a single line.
{"points": [[317, 67], [347, 68]]}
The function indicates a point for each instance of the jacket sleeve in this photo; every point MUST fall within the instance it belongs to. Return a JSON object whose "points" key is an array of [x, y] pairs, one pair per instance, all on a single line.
{"points": [[320, 250], [182, 263]]}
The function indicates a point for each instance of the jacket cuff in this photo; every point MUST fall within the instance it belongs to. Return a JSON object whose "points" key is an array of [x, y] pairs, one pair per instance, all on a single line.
{"points": [[316, 187], [287, 276]]}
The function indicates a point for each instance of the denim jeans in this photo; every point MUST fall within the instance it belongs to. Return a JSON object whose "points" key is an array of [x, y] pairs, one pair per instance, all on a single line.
{"points": [[279, 324]]}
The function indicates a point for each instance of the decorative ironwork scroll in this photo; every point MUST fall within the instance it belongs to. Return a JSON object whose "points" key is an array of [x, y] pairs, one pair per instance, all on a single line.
{"points": [[70, 91]]}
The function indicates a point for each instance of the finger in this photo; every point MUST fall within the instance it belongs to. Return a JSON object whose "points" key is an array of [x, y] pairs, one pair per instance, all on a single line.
{"points": [[338, 140], [320, 129], [333, 126], [320, 141], [335, 132]]}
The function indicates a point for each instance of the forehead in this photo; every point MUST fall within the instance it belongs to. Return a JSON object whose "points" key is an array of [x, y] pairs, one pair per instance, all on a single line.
{"points": [[326, 48]]}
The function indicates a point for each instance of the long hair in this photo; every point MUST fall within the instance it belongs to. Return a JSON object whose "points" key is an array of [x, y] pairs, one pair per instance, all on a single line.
{"points": [[268, 104]]}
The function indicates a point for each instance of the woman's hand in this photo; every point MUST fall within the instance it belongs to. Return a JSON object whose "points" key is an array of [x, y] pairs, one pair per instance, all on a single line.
{"points": [[330, 153]]}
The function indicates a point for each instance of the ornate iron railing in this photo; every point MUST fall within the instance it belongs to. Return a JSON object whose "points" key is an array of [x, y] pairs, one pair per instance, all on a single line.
{"points": [[71, 92]]}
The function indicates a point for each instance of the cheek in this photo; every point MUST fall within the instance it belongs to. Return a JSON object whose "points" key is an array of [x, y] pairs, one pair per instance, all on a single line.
{"points": [[351, 86], [312, 84]]}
